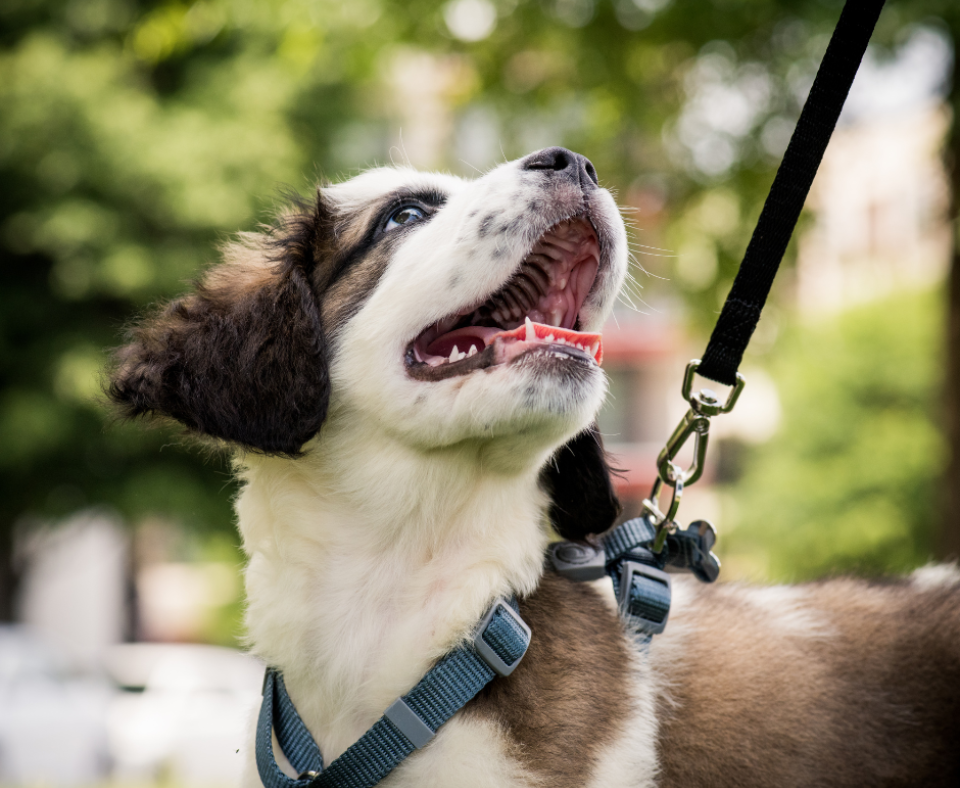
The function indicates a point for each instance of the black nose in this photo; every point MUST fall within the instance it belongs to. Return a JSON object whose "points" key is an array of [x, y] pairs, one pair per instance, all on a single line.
{"points": [[562, 160]]}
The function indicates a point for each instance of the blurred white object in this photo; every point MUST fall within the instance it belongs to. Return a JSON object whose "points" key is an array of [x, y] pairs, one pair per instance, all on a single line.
{"points": [[74, 592], [185, 713], [52, 728]]}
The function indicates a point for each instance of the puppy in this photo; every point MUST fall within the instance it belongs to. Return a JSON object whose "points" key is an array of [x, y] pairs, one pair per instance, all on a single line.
{"points": [[408, 366]]}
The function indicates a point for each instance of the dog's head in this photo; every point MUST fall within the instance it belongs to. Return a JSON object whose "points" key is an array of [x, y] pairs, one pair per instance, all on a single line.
{"points": [[441, 310]]}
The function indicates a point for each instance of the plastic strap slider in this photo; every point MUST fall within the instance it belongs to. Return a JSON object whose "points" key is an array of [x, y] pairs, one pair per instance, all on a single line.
{"points": [[485, 650], [408, 722]]}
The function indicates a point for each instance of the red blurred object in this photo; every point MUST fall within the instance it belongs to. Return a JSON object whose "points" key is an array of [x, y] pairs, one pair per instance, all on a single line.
{"points": [[627, 345]]}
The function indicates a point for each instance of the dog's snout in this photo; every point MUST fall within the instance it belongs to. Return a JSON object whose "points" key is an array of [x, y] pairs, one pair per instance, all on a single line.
{"points": [[562, 160]]}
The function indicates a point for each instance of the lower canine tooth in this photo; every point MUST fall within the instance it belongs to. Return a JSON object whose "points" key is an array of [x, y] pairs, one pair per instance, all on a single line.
{"points": [[472, 351], [454, 354]]}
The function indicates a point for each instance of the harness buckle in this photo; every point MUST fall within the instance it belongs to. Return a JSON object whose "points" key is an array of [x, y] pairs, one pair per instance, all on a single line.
{"points": [[649, 607], [693, 550], [578, 562], [486, 652]]}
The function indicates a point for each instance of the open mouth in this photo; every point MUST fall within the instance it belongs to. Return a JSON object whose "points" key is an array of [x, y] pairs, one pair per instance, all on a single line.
{"points": [[537, 310]]}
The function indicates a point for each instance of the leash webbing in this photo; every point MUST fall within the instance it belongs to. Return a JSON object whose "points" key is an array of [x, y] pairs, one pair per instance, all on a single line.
{"points": [[780, 213], [411, 721]]}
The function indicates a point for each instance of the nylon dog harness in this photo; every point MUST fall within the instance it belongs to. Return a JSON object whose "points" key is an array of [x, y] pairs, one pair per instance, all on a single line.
{"points": [[498, 644]]}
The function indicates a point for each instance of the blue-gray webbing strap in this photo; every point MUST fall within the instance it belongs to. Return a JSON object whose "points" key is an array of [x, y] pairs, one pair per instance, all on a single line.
{"points": [[628, 536], [278, 712], [645, 601], [409, 723]]}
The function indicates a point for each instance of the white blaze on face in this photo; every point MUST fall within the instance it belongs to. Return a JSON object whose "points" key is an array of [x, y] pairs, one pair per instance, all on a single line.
{"points": [[496, 276]]}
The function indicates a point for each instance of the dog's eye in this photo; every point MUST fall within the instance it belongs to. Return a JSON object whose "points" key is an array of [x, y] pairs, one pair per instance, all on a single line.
{"points": [[405, 215]]}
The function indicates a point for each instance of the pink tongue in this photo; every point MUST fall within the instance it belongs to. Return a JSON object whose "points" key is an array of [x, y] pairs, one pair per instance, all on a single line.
{"points": [[463, 338]]}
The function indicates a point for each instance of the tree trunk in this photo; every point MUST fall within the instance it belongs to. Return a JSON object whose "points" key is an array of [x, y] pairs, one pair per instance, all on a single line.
{"points": [[949, 541], [9, 575]]}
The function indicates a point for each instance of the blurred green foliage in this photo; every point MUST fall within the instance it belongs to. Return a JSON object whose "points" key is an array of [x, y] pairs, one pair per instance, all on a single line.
{"points": [[136, 134], [850, 482]]}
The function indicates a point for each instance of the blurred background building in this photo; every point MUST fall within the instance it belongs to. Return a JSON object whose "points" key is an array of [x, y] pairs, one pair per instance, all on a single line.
{"points": [[135, 136]]}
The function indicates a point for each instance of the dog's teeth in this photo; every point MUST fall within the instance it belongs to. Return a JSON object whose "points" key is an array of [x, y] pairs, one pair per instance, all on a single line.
{"points": [[594, 348], [531, 334], [454, 354], [509, 299], [472, 351], [549, 338], [562, 284]]}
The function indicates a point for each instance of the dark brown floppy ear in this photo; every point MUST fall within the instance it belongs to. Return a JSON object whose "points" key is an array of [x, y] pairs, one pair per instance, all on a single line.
{"points": [[242, 358], [578, 479]]}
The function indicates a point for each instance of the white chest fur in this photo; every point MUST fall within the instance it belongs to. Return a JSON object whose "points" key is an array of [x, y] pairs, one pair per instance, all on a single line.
{"points": [[353, 595]]}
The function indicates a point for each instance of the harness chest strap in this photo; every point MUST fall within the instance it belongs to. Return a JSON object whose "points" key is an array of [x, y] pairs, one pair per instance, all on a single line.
{"points": [[498, 645]]}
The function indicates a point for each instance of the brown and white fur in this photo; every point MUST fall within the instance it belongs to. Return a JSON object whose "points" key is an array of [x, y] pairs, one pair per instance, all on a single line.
{"points": [[388, 498]]}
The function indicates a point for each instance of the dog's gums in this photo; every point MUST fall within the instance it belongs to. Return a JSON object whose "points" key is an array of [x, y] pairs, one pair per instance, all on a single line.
{"points": [[537, 309]]}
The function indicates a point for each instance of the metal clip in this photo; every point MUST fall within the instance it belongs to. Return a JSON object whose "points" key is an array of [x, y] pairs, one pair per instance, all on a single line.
{"points": [[695, 422], [651, 507]]}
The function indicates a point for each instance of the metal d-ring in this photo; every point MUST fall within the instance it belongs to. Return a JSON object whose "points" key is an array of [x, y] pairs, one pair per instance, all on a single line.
{"points": [[706, 401], [651, 506]]}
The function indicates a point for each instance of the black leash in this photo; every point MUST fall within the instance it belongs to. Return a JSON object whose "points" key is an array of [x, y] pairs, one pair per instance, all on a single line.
{"points": [[743, 306], [741, 311]]}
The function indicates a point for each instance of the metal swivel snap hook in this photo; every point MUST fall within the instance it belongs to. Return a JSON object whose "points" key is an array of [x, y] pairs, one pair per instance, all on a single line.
{"points": [[695, 422]]}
